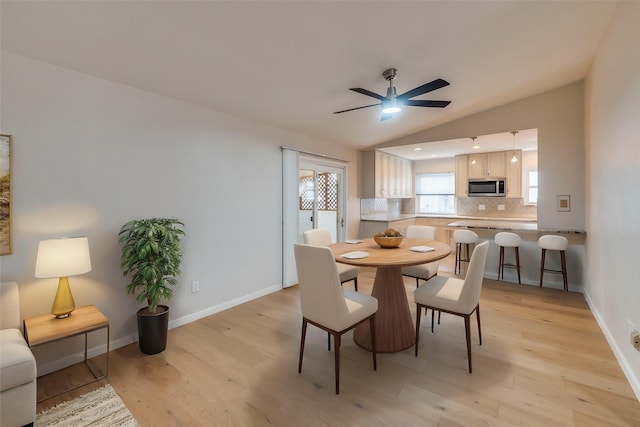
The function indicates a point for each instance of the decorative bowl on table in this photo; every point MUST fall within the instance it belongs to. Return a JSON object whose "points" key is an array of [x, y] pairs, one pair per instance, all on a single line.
{"points": [[388, 238], [388, 242]]}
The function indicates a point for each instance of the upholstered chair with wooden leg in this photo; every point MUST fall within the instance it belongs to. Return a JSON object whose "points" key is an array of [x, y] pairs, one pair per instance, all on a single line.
{"points": [[464, 239], [455, 296], [422, 271], [326, 304], [319, 237], [554, 243]]}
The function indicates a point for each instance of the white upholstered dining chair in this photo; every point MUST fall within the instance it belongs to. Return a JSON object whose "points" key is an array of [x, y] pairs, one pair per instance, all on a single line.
{"points": [[455, 296], [422, 271], [326, 304], [319, 237]]}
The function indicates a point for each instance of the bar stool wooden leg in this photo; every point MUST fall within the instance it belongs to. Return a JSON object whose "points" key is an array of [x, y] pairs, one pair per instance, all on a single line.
{"points": [[518, 264], [542, 266], [564, 271], [467, 257], [501, 264]]}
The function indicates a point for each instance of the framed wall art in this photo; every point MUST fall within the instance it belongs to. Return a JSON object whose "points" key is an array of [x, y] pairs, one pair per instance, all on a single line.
{"points": [[5, 194], [564, 203]]}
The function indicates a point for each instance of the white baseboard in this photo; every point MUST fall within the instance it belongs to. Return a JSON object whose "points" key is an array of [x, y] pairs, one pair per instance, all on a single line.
{"points": [[224, 306], [121, 342], [622, 361]]}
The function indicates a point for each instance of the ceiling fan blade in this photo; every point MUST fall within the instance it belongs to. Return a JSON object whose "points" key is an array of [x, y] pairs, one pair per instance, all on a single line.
{"points": [[427, 87], [384, 117], [368, 93], [425, 103], [357, 108]]}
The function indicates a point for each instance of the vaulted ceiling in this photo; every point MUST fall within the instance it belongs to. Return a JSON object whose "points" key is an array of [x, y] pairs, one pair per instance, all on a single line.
{"points": [[291, 64]]}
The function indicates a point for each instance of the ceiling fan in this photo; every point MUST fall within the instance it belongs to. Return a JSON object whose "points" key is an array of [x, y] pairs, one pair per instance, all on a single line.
{"points": [[393, 103]]}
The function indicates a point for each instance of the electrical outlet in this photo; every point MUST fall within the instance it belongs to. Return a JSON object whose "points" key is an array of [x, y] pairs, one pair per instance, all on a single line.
{"points": [[481, 207], [500, 207], [635, 340], [195, 286]]}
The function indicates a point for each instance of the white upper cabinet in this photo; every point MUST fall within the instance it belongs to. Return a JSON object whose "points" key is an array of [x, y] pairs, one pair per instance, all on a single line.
{"points": [[514, 173], [462, 164], [386, 176], [382, 173], [490, 165], [487, 165]]}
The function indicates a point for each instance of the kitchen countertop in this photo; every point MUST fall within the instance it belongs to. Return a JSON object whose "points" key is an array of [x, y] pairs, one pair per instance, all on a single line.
{"points": [[486, 223], [510, 226], [496, 225], [388, 218]]}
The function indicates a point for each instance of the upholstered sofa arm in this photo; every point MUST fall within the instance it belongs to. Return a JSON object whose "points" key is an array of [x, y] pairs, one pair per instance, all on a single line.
{"points": [[17, 365]]}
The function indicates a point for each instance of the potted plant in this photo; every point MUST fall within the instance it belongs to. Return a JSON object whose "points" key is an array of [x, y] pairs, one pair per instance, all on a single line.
{"points": [[151, 255]]}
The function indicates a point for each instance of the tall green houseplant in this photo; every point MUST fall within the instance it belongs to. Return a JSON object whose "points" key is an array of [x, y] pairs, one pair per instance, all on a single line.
{"points": [[151, 255]]}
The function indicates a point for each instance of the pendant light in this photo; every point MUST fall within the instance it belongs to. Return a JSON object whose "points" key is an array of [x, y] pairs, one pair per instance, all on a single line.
{"points": [[514, 158], [475, 147]]}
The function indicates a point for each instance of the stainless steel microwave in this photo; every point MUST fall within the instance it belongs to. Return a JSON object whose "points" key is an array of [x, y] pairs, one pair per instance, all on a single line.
{"points": [[487, 187]]}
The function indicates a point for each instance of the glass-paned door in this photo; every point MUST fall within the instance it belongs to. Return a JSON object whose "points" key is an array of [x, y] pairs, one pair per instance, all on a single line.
{"points": [[320, 196], [313, 196]]}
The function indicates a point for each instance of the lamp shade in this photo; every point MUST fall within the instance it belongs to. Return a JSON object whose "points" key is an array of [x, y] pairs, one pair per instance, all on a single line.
{"points": [[63, 257]]}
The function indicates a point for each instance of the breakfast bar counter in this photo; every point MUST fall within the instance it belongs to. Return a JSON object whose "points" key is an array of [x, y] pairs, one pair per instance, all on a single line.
{"points": [[496, 225]]}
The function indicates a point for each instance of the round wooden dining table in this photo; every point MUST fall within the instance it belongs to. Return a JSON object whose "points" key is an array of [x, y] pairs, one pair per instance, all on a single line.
{"points": [[394, 325]]}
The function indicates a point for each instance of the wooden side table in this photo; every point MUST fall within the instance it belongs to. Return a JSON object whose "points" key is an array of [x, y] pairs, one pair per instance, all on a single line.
{"points": [[39, 330]]}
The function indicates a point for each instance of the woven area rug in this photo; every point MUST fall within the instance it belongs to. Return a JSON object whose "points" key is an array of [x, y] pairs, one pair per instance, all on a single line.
{"points": [[99, 408]]}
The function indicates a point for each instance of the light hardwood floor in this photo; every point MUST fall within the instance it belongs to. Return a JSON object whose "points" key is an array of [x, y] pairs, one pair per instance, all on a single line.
{"points": [[543, 362]]}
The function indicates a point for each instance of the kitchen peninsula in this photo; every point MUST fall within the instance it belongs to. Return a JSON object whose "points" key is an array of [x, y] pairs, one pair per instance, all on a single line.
{"points": [[486, 228]]}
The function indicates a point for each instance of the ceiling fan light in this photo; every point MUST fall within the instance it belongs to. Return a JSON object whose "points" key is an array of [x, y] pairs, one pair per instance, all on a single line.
{"points": [[391, 109], [391, 106]]}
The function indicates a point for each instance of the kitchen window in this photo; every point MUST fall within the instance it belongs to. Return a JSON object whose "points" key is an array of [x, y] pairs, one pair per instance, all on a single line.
{"points": [[435, 193], [532, 187]]}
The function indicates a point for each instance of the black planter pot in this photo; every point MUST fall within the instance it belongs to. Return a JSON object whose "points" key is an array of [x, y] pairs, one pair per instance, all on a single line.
{"points": [[152, 329]]}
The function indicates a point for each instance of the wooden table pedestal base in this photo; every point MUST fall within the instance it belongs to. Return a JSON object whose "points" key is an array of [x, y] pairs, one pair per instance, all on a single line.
{"points": [[394, 326]]}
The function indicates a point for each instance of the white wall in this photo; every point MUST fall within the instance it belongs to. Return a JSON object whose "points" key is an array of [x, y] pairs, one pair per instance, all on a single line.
{"points": [[613, 177], [89, 155]]}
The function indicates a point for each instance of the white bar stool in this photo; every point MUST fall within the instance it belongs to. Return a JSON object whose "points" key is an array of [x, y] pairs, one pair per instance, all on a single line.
{"points": [[463, 254], [508, 240], [554, 243]]}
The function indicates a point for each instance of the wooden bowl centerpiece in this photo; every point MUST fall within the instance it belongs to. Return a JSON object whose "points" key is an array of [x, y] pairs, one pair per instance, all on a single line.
{"points": [[388, 238]]}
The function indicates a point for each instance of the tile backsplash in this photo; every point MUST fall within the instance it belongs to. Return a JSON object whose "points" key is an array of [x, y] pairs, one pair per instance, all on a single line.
{"points": [[390, 207], [513, 208], [465, 206]]}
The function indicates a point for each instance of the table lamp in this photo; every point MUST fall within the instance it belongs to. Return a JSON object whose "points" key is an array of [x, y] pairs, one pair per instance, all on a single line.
{"points": [[63, 258]]}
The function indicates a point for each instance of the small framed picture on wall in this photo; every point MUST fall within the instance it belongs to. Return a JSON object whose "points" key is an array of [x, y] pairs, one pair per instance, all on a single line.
{"points": [[564, 203]]}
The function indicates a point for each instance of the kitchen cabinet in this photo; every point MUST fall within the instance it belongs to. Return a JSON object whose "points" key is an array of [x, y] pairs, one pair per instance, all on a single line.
{"points": [[490, 165], [485, 165], [386, 176], [462, 176], [514, 174]]}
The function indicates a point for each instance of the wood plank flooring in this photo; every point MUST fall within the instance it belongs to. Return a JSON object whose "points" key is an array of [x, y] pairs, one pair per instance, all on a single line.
{"points": [[543, 362]]}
